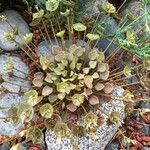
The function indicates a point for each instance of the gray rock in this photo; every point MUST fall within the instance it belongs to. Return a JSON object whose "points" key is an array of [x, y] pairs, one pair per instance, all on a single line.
{"points": [[104, 133], [45, 47], [146, 148], [7, 127], [5, 146], [15, 84], [88, 9], [136, 9], [16, 20], [22, 69], [108, 26], [112, 146]]}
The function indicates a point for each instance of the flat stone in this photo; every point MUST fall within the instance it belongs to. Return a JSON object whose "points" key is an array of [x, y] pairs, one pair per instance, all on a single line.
{"points": [[15, 84], [136, 9], [45, 47], [7, 127], [104, 133], [110, 27], [88, 9], [15, 20], [22, 69]]}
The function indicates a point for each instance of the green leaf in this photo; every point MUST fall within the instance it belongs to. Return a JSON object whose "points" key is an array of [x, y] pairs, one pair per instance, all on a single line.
{"points": [[104, 75], [99, 86], [61, 130], [88, 80], [92, 64], [86, 70], [78, 66], [37, 82], [77, 99], [61, 96], [25, 112], [92, 37], [36, 135], [95, 75], [52, 5], [44, 62], [66, 13], [47, 90], [102, 67], [52, 98], [79, 27], [39, 14], [108, 7], [127, 71], [28, 38], [61, 56], [93, 54], [63, 87], [31, 97], [60, 34], [46, 110]]}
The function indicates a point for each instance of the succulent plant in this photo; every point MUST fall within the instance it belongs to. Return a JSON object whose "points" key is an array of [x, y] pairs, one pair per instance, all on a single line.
{"points": [[72, 80]]}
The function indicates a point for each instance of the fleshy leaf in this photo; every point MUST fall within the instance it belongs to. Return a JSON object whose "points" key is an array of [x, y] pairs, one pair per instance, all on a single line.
{"points": [[93, 100], [60, 34], [36, 135], [77, 99], [44, 62], [46, 110], [31, 97], [71, 107], [99, 86], [28, 38], [108, 88], [88, 80], [127, 96], [52, 5], [25, 112], [38, 14], [61, 96], [47, 90], [52, 98], [95, 75], [37, 82], [127, 71], [114, 118], [86, 70], [66, 13], [92, 37], [63, 87], [92, 64], [61, 130], [79, 27], [104, 75]]}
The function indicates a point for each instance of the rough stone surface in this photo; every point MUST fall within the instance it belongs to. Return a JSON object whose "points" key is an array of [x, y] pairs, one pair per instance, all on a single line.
{"points": [[8, 128], [136, 8], [18, 64], [104, 132], [16, 21], [44, 48], [15, 84], [109, 26]]}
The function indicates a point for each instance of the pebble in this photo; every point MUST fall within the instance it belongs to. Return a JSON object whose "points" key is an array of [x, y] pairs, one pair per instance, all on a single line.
{"points": [[15, 20]]}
